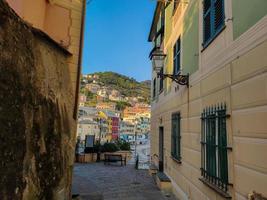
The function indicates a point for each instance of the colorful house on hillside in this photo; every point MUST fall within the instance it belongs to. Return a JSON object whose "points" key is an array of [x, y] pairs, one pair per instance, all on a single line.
{"points": [[127, 131], [83, 99], [106, 106], [115, 128], [88, 127], [208, 130], [113, 121]]}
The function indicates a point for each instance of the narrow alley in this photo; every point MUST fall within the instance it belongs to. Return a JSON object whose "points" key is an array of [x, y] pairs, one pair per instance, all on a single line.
{"points": [[133, 100], [97, 181]]}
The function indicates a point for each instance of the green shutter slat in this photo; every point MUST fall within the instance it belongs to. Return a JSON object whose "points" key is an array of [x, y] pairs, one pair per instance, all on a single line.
{"points": [[219, 14], [206, 5]]}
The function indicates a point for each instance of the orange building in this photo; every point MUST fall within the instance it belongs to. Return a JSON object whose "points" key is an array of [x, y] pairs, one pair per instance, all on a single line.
{"points": [[106, 106], [130, 112]]}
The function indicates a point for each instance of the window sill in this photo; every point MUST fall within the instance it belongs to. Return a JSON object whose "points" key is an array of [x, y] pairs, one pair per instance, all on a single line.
{"points": [[176, 160], [215, 188], [206, 44]]}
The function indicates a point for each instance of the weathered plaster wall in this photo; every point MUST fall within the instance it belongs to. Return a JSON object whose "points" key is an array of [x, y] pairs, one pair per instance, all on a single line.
{"points": [[37, 128]]}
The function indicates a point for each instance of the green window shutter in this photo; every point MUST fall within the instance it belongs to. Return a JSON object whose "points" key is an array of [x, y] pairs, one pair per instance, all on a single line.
{"points": [[176, 137], [177, 56], [213, 19]]}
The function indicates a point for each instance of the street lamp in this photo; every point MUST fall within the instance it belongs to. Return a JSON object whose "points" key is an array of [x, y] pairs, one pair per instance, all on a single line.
{"points": [[99, 140], [158, 60], [135, 135]]}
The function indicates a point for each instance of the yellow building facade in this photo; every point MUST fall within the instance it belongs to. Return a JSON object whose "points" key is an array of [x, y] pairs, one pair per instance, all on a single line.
{"points": [[226, 58], [61, 20]]}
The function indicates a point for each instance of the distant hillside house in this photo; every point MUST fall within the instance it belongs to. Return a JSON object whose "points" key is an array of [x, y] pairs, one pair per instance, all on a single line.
{"points": [[103, 92], [92, 87], [115, 98], [133, 111], [88, 127], [142, 124], [106, 106], [83, 99], [88, 113], [113, 121], [126, 130]]}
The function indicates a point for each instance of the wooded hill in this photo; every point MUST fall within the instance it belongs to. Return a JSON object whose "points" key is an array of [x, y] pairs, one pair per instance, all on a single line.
{"points": [[127, 86]]}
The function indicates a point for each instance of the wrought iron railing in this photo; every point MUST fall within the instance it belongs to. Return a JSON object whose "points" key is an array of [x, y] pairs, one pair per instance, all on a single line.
{"points": [[214, 159]]}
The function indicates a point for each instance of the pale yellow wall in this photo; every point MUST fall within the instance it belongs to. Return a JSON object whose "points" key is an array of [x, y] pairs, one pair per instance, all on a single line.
{"points": [[234, 72], [57, 23], [45, 15], [33, 11], [247, 129]]}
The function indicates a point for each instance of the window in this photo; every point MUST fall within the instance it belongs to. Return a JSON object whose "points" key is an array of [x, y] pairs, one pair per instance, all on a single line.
{"points": [[177, 56], [214, 159], [159, 37], [154, 87], [213, 19], [176, 137], [161, 81]]}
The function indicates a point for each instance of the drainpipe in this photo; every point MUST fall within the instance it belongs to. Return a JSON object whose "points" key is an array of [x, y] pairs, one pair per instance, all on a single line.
{"points": [[75, 111]]}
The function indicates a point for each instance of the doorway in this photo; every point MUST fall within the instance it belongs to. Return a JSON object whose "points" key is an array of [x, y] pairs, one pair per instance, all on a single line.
{"points": [[161, 149]]}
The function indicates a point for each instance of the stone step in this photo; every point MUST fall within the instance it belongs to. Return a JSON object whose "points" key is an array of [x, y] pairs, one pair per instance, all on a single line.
{"points": [[163, 182]]}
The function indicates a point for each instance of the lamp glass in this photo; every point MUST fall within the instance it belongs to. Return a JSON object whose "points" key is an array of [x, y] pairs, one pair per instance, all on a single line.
{"points": [[158, 62]]}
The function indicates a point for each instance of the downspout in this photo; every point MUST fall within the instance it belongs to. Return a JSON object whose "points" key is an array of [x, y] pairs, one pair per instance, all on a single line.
{"points": [[75, 111]]}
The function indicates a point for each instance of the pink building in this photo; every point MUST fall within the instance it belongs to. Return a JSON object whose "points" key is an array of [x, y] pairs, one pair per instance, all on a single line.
{"points": [[115, 127]]}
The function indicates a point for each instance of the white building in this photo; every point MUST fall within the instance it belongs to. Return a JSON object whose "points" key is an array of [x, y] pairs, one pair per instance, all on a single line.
{"points": [[88, 127], [103, 92], [142, 125]]}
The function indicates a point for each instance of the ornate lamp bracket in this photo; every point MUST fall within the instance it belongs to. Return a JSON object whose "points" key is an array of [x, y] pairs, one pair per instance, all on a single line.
{"points": [[178, 78]]}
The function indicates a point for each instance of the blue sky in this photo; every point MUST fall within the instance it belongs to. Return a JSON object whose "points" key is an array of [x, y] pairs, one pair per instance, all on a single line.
{"points": [[116, 35]]}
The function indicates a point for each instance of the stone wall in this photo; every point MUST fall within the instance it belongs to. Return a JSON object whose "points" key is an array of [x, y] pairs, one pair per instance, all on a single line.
{"points": [[37, 129]]}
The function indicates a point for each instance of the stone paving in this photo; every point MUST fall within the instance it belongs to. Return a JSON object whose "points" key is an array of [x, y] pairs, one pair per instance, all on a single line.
{"points": [[97, 181]]}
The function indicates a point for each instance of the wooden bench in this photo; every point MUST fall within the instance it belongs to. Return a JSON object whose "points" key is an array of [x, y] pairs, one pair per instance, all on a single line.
{"points": [[114, 158]]}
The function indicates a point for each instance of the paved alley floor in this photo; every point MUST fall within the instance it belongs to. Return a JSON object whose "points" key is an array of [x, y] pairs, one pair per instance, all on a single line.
{"points": [[97, 181]]}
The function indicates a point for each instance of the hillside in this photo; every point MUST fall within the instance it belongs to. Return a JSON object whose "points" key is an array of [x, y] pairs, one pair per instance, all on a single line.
{"points": [[127, 86]]}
